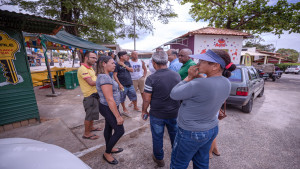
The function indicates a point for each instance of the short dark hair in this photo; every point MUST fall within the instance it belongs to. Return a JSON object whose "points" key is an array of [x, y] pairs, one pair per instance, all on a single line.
{"points": [[121, 53], [87, 54]]}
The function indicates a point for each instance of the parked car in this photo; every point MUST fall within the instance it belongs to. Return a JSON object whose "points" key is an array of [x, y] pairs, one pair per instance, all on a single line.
{"points": [[246, 85], [293, 69], [22, 153]]}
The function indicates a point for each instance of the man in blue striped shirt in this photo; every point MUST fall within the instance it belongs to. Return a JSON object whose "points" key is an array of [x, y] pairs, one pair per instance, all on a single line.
{"points": [[175, 65]]}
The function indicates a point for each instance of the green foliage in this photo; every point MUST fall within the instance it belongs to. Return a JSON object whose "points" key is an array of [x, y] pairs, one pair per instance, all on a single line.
{"points": [[253, 16], [289, 53], [283, 66], [105, 20]]}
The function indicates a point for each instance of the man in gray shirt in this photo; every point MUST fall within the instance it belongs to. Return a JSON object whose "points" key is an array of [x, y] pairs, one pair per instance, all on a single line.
{"points": [[163, 109]]}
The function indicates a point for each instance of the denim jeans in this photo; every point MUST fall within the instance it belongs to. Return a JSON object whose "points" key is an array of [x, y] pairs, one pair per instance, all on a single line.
{"points": [[157, 130], [193, 146], [130, 92]]}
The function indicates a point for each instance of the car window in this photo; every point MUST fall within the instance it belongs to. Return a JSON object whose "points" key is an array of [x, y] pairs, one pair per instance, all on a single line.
{"points": [[252, 74], [293, 66], [236, 76]]}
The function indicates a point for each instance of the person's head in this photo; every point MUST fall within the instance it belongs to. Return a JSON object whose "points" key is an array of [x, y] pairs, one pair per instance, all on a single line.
{"points": [[172, 54], [159, 59], [183, 55], [90, 58], [215, 62], [111, 54], [159, 49], [134, 55], [123, 56], [105, 64]]}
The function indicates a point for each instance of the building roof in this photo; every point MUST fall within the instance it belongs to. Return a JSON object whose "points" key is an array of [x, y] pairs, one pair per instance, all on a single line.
{"points": [[64, 38], [206, 31], [31, 23], [216, 31]]}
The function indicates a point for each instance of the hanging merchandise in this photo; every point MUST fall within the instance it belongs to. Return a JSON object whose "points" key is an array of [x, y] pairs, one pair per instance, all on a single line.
{"points": [[27, 38], [84, 51], [38, 41], [64, 46], [28, 45], [35, 50], [57, 51]]}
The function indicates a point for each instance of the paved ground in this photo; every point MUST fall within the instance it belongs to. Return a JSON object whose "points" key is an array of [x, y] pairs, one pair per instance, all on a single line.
{"points": [[268, 137]]}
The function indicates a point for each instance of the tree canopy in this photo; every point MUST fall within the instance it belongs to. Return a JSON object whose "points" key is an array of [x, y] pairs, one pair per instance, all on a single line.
{"points": [[253, 16], [105, 20], [289, 53]]}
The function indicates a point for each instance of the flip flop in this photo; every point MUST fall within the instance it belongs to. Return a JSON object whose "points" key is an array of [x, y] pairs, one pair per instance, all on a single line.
{"points": [[92, 137], [97, 129]]}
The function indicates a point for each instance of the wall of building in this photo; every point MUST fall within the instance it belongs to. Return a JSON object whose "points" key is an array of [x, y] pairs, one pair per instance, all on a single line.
{"points": [[189, 42], [233, 45]]}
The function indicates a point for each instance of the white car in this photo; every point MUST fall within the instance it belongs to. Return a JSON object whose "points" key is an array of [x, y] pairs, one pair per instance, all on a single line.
{"points": [[22, 153], [293, 69]]}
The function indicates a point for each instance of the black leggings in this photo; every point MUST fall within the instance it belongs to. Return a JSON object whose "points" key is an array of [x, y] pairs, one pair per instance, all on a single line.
{"points": [[110, 124]]}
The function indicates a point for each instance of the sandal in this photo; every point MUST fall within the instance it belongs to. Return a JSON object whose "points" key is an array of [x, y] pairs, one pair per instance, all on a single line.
{"points": [[92, 137]]}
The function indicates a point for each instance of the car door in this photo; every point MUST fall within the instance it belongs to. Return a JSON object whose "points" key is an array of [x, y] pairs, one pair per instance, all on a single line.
{"points": [[260, 82], [254, 85]]}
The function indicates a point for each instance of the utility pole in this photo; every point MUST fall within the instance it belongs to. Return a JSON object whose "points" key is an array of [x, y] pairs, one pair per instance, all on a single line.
{"points": [[134, 35]]}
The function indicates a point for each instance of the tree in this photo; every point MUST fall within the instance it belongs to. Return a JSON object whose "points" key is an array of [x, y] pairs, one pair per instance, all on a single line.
{"points": [[105, 20], [289, 53], [253, 16], [256, 42]]}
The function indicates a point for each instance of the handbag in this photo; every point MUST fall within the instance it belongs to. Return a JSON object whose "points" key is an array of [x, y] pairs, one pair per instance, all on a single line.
{"points": [[222, 112]]}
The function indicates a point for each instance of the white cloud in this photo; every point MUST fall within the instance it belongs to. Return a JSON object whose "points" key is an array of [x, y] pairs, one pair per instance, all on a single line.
{"points": [[184, 23]]}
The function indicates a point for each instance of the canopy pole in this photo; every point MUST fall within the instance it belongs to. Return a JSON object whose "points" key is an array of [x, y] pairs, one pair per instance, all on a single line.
{"points": [[48, 67]]}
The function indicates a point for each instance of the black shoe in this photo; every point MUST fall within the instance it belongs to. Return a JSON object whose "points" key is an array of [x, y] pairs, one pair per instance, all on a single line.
{"points": [[113, 162], [119, 150], [160, 163]]}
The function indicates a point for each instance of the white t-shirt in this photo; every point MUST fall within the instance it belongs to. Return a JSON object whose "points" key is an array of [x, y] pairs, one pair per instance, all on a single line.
{"points": [[138, 70], [151, 68]]}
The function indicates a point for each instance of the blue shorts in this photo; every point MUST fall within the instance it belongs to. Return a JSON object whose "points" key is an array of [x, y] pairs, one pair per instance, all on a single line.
{"points": [[130, 92]]}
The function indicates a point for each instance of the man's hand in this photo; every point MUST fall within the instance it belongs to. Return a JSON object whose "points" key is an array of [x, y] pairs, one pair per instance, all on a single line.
{"points": [[121, 87], [121, 63], [120, 120], [143, 113]]}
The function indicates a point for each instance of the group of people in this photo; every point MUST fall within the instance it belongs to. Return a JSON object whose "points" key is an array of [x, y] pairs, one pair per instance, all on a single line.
{"points": [[184, 97]]}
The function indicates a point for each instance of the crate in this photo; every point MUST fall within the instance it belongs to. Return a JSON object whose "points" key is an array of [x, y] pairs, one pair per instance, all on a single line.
{"points": [[70, 80]]}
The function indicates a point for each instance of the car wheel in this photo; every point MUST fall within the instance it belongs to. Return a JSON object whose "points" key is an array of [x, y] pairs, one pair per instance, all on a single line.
{"points": [[297, 72], [262, 92], [248, 107]]}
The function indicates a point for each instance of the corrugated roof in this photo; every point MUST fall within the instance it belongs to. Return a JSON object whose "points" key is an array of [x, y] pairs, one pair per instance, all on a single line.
{"points": [[215, 31], [31, 23]]}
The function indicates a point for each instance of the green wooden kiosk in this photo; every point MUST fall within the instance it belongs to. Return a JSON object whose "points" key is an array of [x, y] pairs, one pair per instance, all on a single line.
{"points": [[17, 98]]}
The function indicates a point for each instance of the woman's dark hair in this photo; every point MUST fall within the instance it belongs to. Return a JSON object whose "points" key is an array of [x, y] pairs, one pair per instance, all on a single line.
{"points": [[225, 56], [100, 68]]}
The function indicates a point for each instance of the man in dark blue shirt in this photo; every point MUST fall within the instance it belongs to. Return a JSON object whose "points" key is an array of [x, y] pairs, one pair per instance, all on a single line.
{"points": [[163, 109], [123, 78]]}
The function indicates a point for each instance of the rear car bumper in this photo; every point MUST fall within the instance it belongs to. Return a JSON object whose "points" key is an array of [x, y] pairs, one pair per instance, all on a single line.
{"points": [[238, 100]]}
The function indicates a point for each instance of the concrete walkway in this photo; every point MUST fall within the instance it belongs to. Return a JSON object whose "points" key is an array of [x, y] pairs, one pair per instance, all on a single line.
{"points": [[62, 120]]}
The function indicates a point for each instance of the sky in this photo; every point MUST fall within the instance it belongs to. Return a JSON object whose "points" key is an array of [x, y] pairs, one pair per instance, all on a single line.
{"points": [[184, 23]]}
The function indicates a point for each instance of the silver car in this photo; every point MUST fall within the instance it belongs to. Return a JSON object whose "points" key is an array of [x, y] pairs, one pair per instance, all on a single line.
{"points": [[246, 85], [293, 69]]}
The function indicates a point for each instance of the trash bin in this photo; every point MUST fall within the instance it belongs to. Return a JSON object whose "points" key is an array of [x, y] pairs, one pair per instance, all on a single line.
{"points": [[70, 80]]}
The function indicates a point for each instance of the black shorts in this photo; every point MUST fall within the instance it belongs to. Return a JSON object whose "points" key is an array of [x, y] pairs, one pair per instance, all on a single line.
{"points": [[91, 107]]}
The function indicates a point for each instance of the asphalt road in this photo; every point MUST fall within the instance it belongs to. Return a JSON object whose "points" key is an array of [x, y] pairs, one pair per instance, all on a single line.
{"points": [[266, 138]]}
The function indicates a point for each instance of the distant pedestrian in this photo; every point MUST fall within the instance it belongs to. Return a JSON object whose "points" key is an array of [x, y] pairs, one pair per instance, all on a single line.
{"points": [[201, 99], [123, 78], [109, 93], [175, 65], [163, 109], [187, 62], [87, 81], [139, 73]]}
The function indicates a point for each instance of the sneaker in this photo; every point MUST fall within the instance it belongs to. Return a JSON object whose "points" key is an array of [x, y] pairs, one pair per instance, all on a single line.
{"points": [[126, 114], [160, 163]]}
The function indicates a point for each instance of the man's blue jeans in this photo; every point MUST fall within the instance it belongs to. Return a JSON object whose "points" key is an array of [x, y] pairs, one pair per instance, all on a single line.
{"points": [[157, 130], [193, 146]]}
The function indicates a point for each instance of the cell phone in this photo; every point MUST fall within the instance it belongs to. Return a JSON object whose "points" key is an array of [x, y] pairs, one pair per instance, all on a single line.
{"points": [[145, 117]]}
